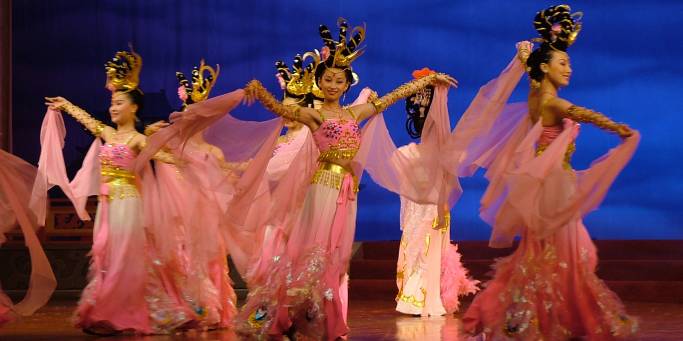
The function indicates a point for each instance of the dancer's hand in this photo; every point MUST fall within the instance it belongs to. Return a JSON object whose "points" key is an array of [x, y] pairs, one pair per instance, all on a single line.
{"points": [[154, 127], [56, 103], [624, 131], [249, 97], [524, 50], [444, 79]]}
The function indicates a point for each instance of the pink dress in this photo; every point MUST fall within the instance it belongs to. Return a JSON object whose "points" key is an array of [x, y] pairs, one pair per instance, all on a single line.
{"points": [[547, 289], [297, 275], [128, 286], [307, 285], [192, 245]]}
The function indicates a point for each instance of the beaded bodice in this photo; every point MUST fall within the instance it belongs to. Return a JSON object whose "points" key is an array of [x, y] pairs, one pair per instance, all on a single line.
{"points": [[117, 155], [117, 161], [337, 139]]}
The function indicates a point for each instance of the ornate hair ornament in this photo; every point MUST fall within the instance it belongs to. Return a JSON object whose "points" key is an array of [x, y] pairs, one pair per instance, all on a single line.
{"points": [[299, 81], [417, 105], [203, 79], [345, 50], [123, 71], [558, 27]]}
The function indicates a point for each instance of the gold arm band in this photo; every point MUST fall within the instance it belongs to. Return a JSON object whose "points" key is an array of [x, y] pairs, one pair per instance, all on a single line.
{"points": [[258, 91], [584, 115], [95, 126], [165, 157], [150, 130], [402, 92]]}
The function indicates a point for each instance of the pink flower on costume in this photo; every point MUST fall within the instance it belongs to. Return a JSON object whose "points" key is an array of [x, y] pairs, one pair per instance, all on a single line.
{"points": [[280, 81], [324, 53], [555, 31], [110, 87], [182, 93]]}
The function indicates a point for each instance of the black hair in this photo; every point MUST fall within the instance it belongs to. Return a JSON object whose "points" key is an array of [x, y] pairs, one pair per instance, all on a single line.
{"points": [[138, 98], [539, 56], [558, 28], [417, 107]]}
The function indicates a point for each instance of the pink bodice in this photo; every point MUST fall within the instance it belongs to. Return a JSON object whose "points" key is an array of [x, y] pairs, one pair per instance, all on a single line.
{"points": [[118, 156], [337, 139], [549, 134]]}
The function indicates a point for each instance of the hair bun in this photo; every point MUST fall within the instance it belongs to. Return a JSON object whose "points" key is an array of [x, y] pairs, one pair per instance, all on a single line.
{"points": [[557, 26]]}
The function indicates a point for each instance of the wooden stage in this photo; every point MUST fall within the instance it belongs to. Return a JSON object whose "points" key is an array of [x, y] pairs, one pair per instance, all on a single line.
{"points": [[646, 274], [369, 320]]}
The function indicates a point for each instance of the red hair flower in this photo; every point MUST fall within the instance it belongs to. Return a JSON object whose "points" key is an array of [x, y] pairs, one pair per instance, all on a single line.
{"points": [[425, 71]]}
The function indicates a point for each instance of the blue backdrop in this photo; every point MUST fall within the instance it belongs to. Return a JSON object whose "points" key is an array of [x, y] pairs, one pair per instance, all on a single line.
{"points": [[626, 64]]}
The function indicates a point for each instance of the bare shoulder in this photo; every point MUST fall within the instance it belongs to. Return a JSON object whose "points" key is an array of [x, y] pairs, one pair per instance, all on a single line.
{"points": [[363, 111], [556, 105], [107, 132], [138, 141]]}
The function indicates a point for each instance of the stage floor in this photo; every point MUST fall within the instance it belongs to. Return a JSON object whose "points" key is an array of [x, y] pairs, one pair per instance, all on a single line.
{"points": [[369, 320]]}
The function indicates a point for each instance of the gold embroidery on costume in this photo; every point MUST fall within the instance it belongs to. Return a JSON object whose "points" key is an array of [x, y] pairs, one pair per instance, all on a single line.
{"points": [[566, 164], [256, 89], [403, 91], [331, 175], [584, 115]]}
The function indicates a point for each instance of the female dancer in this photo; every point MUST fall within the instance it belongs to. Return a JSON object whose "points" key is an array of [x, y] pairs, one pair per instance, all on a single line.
{"points": [[306, 290], [16, 181], [197, 248], [547, 289], [427, 261], [129, 287]]}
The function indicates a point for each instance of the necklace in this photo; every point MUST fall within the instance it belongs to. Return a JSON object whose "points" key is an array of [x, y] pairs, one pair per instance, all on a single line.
{"points": [[126, 134], [338, 110]]}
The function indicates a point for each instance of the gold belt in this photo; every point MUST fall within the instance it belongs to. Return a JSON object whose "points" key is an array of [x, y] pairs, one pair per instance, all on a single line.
{"points": [[337, 154], [116, 172], [121, 188], [332, 175]]}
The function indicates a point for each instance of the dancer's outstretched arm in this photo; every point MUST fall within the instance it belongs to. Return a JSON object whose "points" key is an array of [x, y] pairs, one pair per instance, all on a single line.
{"points": [[307, 116], [576, 113], [93, 125], [377, 106]]}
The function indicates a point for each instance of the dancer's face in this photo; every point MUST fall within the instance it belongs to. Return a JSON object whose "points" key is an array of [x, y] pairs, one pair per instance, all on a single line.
{"points": [[122, 109], [333, 83], [558, 71]]}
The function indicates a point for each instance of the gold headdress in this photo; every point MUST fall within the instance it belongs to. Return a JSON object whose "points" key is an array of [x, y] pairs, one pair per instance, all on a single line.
{"points": [[344, 51], [299, 81], [203, 79], [123, 71], [558, 27]]}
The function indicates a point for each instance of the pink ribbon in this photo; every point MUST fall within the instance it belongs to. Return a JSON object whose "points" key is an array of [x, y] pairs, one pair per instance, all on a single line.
{"points": [[100, 240]]}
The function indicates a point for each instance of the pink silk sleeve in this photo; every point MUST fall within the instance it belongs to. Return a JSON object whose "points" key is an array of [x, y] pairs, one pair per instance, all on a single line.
{"points": [[418, 176], [16, 180], [51, 169], [526, 191]]}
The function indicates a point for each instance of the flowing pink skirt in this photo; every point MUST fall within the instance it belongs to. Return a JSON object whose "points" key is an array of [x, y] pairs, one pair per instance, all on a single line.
{"points": [[192, 248], [128, 288], [307, 287], [547, 289]]}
